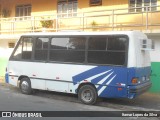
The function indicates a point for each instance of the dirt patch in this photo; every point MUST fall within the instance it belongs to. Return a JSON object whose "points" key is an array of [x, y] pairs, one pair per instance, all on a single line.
{"points": [[1, 79]]}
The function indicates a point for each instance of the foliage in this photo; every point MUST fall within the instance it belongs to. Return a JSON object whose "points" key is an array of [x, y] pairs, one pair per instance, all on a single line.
{"points": [[46, 23], [93, 23]]}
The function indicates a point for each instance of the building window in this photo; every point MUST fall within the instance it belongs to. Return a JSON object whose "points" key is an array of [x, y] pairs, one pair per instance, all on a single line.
{"points": [[142, 5], [11, 45], [95, 2], [23, 10], [67, 8]]}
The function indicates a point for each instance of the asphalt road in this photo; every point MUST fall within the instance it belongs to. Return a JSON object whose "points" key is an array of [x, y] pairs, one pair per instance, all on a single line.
{"points": [[12, 100]]}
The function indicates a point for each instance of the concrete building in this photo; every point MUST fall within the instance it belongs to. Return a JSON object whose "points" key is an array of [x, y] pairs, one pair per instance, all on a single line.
{"points": [[22, 16]]}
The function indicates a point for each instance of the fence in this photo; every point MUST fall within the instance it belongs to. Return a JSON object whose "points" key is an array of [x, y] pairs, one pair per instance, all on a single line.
{"points": [[104, 20]]}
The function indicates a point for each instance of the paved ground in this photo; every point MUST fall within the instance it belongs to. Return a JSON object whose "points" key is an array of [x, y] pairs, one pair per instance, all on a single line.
{"points": [[147, 101], [12, 99]]}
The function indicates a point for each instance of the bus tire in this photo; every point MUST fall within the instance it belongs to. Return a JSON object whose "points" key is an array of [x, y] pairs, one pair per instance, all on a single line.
{"points": [[87, 94], [25, 86]]}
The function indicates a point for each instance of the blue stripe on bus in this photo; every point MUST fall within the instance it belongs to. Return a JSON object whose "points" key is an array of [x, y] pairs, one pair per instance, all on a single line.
{"points": [[96, 80], [94, 71], [114, 78]]}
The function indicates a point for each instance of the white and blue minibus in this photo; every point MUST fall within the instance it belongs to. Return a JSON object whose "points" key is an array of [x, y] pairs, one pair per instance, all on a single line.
{"points": [[112, 64]]}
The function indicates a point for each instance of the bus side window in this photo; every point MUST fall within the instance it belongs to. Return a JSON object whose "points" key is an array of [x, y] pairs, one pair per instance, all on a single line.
{"points": [[97, 50], [24, 49], [117, 43], [41, 48], [107, 50], [117, 48], [27, 48], [17, 55], [69, 49]]}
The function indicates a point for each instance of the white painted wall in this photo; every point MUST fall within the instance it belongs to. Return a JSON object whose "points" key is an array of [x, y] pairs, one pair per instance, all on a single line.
{"points": [[5, 52], [155, 54]]}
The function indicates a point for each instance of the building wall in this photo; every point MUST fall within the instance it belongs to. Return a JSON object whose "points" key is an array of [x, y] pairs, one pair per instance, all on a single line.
{"points": [[155, 64], [155, 54], [49, 7], [3, 56], [5, 52], [155, 77], [106, 4], [41, 7]]}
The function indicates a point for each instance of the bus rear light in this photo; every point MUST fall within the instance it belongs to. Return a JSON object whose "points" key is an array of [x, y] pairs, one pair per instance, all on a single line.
{"points": [[119, 89], [134, 80]]}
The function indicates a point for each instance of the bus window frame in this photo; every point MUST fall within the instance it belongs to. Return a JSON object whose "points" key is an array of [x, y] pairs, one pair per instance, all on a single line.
{"points": [[16, 47], [126, 50], [34, 37], [70, 36], [34, 48]]}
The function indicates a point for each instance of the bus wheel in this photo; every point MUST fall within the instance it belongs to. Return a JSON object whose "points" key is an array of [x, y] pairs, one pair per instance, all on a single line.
{"points": [[25, 86], [87, 94]]}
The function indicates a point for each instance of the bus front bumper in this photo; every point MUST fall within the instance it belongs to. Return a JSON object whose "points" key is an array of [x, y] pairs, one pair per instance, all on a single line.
{"points": [[136, 90]]}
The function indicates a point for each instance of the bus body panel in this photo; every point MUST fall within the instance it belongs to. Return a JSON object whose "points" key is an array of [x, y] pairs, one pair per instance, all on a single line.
{"points": [[143, 84], [136, 56], [67, 78], [110, 81]]}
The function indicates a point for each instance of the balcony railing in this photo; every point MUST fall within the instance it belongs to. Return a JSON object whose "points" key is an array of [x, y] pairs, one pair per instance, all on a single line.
{"points": [[104, 20]]}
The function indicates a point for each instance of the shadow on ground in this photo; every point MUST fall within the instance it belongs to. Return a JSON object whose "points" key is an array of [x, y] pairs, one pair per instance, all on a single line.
{"points": [[147, 101]]}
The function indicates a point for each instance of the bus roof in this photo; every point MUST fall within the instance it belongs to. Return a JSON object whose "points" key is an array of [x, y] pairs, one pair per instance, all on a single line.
{"points": [[80, 33]]}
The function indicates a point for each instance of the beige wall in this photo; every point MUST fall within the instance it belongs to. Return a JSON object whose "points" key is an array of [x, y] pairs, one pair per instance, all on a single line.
{"points": [[40, 7], [44, 7], [49, 7]]}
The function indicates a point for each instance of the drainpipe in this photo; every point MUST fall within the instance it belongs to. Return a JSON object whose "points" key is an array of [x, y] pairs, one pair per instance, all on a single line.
{"points": [[112, 19], [83, 21], [146, 18], [56, 23]]}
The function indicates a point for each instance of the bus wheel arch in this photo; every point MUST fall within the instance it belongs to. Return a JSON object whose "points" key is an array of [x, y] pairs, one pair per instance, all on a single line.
{"points": [[87, 93], [25, 85]]}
